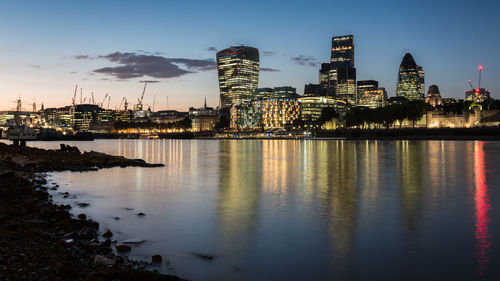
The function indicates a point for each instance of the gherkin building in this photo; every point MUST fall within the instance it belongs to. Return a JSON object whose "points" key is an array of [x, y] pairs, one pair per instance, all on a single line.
{"points": [[410, 79]]}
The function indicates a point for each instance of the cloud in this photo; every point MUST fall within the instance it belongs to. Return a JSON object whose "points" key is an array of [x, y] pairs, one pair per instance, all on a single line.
{"points": [[149, 81], [303, 60], [265, 69], [73, 72], [35, 66], [132, 65], [268, 53], [212, 49], [83, 57], [150, 53]]}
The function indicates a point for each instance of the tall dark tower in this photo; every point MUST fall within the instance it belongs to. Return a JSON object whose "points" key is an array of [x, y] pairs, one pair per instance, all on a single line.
{"points": [[410, 79], [342, 51], [238, 69], [342, 70]]}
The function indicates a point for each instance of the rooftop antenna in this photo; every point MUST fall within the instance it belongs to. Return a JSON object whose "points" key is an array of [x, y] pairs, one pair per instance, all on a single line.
{"points": [[480, 70]]}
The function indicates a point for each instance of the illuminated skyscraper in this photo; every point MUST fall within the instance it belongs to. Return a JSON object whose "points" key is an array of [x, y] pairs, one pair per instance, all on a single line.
{"points": [[238, 69], [410, 79], [370, 95], [342, 51], [342, 70]]}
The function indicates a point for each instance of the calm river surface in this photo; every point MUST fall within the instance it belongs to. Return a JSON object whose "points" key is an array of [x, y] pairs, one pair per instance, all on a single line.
{"points": [[302, 210]]}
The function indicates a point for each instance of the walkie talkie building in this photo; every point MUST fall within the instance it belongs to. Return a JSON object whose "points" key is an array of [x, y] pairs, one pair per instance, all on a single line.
{"points": [[238, 69]]}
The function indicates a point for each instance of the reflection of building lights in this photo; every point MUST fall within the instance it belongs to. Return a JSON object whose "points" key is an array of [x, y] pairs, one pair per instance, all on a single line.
{"points": [[482, 201]]}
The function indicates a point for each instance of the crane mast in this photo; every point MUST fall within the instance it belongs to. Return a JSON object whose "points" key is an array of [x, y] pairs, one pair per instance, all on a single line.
{"points": [[139, 104], [74, 96]]}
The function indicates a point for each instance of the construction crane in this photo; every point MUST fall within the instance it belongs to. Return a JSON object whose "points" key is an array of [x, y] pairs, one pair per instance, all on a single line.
{"points": [[471, 87], [139, 104], [120, 106], [109, 100], [81, 95], [104, 100], [74, 96]]}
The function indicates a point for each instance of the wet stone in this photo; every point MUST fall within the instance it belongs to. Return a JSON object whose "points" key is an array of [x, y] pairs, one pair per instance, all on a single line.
{"points": [[107, 234]]}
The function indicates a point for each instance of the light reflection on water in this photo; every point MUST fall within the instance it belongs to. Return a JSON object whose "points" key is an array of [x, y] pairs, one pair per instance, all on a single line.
{"points": [[303, 210]]}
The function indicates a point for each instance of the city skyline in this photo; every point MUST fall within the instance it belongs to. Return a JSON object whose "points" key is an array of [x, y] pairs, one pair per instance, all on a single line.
{"points": [[43, 59]]}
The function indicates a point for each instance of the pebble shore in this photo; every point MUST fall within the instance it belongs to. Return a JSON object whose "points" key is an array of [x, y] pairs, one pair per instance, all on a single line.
{"points": [[40, 240]]}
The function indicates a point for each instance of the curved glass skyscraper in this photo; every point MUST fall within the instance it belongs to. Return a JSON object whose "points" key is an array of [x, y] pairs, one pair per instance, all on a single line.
{"points": [[238, 69], [410, 79]]}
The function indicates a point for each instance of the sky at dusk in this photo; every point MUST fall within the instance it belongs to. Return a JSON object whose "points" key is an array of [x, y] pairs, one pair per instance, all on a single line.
{"points": [[48, 47]]}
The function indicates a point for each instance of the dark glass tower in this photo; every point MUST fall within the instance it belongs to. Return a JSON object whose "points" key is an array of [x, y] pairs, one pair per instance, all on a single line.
{"points": [[410, 79], [238, 69], [324, 74], [342, 70], [342, 51]]}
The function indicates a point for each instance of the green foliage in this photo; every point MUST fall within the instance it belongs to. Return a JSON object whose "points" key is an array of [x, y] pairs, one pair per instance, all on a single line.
{"points": [[387, 115], [223, 123], [327, 114]]}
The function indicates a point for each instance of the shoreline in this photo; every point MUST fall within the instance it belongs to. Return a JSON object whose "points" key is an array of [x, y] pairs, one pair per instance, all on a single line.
{"points": [[40, 240], [475, 133]]}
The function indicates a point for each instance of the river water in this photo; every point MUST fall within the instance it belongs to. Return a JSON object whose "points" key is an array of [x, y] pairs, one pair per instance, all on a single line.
{"points": [[301, 210]]}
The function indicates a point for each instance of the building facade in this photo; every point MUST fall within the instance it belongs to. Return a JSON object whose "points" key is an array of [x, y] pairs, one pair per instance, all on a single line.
{"points": [[477, 95], [410, 79], [342, 75], [373, 98], [278, 113], [203, 118], [246, 116], [433, 96], [238, 71], [311, 109], [276, 92]]}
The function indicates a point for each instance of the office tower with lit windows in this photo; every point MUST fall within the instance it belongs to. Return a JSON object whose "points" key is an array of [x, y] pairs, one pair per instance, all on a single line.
{"points": [[342, 75], [410, 79], [370, 95], [324, 74], [238, 70]]}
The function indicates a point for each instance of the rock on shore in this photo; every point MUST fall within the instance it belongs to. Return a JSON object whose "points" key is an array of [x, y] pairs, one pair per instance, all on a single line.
{"points": [[42, 241]]}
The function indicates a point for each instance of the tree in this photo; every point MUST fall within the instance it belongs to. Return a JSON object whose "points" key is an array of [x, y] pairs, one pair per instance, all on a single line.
{"points": [[414, 110], [223, 123], [327, 114]]}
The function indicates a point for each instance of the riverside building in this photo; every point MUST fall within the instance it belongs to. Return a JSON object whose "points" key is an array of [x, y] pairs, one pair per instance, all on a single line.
{"points": [[238, 71], [311, 109], [410, 79], [276, 92], [278, 113], [370, 95], [203, 118], [433, 96]]}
